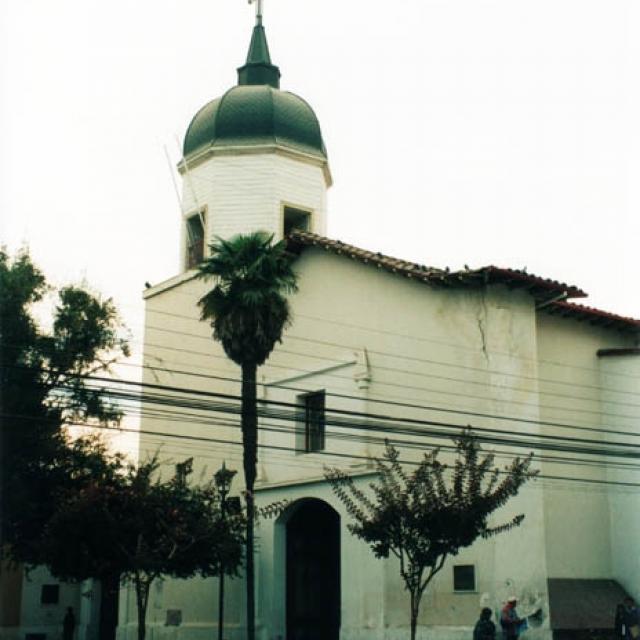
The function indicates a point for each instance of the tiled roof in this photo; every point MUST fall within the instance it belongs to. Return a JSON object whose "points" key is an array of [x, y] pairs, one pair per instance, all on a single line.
{"points": [[593, 316], [543, 290]]}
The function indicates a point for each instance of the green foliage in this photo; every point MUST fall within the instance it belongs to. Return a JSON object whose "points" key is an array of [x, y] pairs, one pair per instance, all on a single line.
{"points": [[134, 525], [425, 516], [138, 526], [42, 390], [247, 308]]}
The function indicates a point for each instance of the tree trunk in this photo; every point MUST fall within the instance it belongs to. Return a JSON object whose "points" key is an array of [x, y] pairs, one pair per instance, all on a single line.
{"points": [[109, 594], [142, 598], [249, 422], [415, 609]]}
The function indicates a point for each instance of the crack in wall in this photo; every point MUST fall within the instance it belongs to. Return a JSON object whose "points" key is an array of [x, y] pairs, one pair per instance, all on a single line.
{"points": [[482, 321]]}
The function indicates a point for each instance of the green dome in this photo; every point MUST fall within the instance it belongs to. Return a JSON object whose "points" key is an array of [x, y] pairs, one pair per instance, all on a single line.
{"points": [[252, 114]]}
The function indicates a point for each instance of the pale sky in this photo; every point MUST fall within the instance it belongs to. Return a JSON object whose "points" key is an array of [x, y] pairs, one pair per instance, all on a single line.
{"points": [[459, 132]]}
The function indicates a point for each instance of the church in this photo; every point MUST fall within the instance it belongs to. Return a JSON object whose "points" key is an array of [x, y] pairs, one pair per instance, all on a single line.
{"points": [[378, 344], [376, 341]]}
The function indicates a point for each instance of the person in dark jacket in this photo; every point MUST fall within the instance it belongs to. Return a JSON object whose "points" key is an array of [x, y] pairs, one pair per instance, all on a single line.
{"points": [[618, 624], [484, 629], [631, 619], [68, 624]]}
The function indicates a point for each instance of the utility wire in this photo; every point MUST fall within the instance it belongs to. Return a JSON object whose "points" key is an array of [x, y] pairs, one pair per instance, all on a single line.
{"points": [[315, 356], [437, 429], [348, 418], [466, 396], [330, 454], [404, 336], [393, 403], [185, 417]]}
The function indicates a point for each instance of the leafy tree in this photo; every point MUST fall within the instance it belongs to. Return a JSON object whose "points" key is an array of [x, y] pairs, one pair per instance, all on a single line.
{"points": [[43, 388], [248, 312], [139, 527], [424, 516]]}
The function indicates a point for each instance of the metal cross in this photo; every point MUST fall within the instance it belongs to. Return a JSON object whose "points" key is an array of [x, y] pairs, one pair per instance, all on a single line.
{"points": [[258, 4]]}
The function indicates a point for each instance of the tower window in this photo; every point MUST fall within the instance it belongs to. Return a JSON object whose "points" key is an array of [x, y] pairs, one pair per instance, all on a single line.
{"points": [[312, 422], [464, 577], [195, 239], [296, 219]]}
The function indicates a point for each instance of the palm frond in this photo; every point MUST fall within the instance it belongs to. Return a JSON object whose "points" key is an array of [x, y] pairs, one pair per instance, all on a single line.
{"points": [[247, 307]]}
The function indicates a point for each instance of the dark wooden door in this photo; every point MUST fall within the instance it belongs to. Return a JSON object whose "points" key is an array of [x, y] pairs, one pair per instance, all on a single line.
{"points": [[313, 573]]}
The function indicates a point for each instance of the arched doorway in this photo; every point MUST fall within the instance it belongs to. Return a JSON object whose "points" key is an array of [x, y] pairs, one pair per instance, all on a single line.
{"points": [[313, 572]]}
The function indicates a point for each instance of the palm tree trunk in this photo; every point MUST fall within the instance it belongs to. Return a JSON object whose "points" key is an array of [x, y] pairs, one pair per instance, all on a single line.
{"points": [[249, 421]]}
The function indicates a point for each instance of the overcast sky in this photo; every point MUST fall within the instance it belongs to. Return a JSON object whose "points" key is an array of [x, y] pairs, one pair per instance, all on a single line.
{"points": [[459, 131]]}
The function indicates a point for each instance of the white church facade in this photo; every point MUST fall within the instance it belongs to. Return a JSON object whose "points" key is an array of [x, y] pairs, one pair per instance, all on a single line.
{"points": [[384, 347]]}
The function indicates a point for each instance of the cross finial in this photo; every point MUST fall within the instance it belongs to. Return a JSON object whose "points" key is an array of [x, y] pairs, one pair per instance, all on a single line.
{"points": [[258, 4]]}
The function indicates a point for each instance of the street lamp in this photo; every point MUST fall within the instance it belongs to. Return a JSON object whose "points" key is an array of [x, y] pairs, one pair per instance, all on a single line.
{"points": [[223, 478]]}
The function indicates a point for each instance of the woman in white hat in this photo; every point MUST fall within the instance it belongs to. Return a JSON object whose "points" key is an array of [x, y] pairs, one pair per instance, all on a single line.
{"points": [[509, 619]]}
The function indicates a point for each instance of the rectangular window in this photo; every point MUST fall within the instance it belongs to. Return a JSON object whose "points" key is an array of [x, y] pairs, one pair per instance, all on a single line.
{"points": [[313, 405], [296, 219], [50, 594], [464, 577], [195, 239]]}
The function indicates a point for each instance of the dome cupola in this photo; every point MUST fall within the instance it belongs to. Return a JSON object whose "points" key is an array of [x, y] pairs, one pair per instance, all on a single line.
{"points": [[256, 111], [253, 114]]}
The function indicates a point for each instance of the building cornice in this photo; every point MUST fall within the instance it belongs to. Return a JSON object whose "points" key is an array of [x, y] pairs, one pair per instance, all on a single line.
{"points": [[172, 282], [196, 159]]}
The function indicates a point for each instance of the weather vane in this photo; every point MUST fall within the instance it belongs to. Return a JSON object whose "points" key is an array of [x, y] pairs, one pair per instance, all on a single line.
{"points": [[258, 4]]}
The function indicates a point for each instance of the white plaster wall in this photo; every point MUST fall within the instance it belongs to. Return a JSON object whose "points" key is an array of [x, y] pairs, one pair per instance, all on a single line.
{"points": [[36, 617], [579, 543], [246, 192], [620, 378]]}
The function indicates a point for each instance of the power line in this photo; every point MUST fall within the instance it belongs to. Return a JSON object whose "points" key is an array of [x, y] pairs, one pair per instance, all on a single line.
{"points": [[388, 402], [332, 454], [196, 418], [342, 412], [403, 357], [493, 436], [367, 458], [348, 418], [423, 360], [466, 396], [405, 336]]}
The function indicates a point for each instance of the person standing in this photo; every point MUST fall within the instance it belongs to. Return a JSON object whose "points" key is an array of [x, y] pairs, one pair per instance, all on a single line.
{"points": [[68, 624], [509, 621], [484, 629], [619, 628], [631, 619]]}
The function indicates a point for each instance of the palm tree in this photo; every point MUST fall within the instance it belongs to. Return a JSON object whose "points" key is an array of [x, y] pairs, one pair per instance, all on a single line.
{"points": [[248, 312]]}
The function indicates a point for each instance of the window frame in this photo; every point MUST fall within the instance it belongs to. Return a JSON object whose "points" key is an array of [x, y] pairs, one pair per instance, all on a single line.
{"points": [[189, 244], [297, 209], [307, 440], [456, 589]]}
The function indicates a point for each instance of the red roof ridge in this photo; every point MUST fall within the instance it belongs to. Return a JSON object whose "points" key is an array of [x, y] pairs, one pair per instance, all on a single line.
{"points": [[542, 289], [593, 315]]}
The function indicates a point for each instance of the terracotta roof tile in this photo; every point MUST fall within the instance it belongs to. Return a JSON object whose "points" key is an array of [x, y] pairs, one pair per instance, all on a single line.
{"points": [[544, 290], [593, 316]]}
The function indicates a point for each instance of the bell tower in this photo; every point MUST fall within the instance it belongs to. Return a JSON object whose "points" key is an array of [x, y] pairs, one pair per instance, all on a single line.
{"points": [[253, 159]]}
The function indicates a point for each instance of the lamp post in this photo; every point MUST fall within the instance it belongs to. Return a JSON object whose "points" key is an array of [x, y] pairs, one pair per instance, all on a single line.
{"points": [[223, 478]]}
